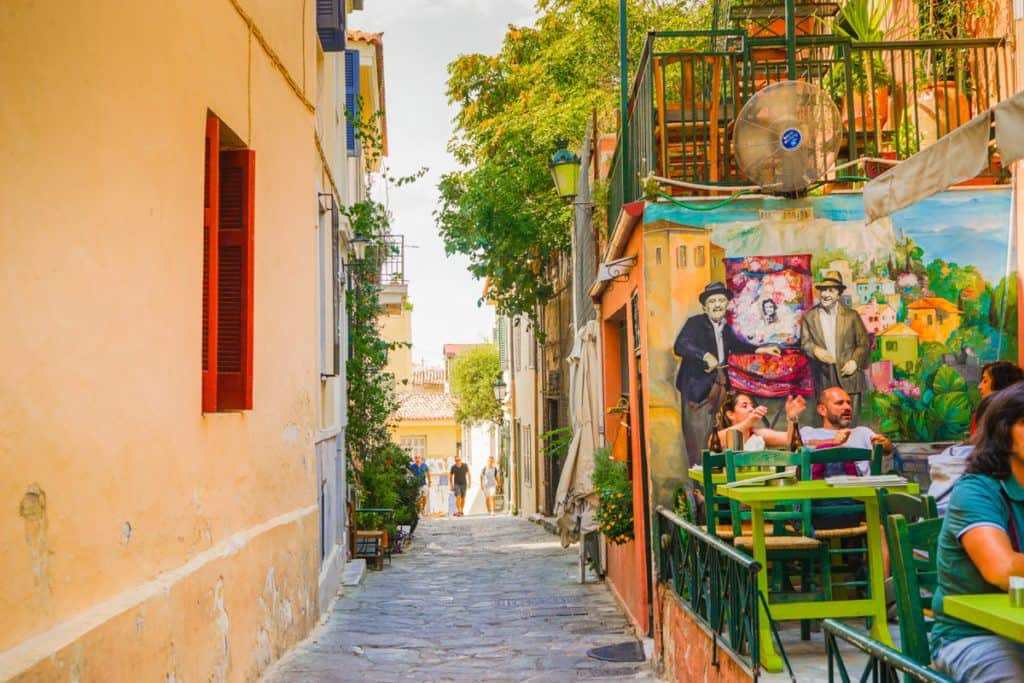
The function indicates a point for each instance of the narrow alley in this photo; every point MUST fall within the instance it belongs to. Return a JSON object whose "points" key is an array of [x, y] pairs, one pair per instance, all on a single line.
{"points": [[474, 599]]}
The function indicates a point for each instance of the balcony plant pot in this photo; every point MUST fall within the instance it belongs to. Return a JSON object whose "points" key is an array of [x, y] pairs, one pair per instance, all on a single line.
{"points": [[941, 107], [864, 110]]}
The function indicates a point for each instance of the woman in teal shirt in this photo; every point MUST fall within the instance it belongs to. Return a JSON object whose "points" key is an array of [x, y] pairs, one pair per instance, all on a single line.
{"points": [[979, 545]]}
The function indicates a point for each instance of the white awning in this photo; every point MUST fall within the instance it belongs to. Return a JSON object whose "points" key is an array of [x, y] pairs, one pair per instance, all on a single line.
{"points": [[956, 157]]}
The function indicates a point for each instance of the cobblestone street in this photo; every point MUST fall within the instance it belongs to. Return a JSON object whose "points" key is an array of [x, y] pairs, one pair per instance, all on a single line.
{"points": [[475, 598]]}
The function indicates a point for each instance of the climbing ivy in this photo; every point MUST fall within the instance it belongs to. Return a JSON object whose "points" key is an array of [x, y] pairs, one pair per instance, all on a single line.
{"points": [[376, 465]]}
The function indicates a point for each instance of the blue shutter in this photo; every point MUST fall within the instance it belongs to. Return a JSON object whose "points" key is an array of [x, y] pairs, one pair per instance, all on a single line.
{"points": [[351, 100], [330, 24]]}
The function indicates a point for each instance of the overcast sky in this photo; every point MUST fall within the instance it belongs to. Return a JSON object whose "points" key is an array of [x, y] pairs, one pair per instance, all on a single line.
{"points": [[420, 38]]}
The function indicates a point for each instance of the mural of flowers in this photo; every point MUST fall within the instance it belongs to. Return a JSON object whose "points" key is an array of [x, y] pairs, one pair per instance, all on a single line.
{"points": [[770, 294]]}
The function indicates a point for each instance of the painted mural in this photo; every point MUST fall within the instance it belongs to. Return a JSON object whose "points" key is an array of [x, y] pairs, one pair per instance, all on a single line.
{"points": [[902, 312]]}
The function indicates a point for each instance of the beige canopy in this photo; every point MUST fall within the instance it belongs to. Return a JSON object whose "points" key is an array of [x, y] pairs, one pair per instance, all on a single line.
{"points": [[958, 156], [575, 497]]}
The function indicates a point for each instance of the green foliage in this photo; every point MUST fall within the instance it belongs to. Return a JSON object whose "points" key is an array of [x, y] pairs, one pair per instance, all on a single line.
{"points": [[556, 442], [544, 84], [473, 375], [834, 81], [376, 465], [615, 493], [908, 142], [939, 408]]}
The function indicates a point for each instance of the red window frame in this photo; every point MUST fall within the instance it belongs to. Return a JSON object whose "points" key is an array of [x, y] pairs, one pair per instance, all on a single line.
{"points": [[228, 245]]}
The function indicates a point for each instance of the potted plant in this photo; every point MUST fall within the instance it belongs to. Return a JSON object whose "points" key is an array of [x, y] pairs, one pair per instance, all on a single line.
{"points": [[862, 21]]}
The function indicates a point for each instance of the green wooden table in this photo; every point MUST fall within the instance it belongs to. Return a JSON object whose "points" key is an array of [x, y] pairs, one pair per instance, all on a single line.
{"points": [[761, 497], [990, 611], [719, 477]]}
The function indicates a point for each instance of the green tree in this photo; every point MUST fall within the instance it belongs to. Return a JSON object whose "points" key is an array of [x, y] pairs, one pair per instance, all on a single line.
{"points": [[473, 375], [546, 81]]}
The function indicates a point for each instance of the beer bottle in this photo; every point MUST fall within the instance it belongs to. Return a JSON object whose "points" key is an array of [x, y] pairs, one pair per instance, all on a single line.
{"points": [[796, 442]]}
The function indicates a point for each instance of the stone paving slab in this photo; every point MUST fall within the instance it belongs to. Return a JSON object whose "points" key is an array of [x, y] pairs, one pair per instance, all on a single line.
{"points": [[475, 599]]}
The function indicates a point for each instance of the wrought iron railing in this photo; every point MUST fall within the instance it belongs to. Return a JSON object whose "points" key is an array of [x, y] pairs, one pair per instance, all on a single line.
{"points": [[885, 665], [717, 582], [895, 98], [392, 260]]}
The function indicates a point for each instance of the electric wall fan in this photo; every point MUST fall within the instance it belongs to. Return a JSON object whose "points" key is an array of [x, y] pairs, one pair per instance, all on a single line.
{"points": [[787, 136]]}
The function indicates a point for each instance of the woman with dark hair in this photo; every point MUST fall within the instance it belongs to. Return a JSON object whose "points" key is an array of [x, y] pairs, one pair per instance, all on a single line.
{"points": [[995, 376], [979, 545], [739, 414]]}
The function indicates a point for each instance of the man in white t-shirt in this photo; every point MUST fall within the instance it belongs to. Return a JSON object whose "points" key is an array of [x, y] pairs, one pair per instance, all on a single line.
{"points": [[836, 410]]}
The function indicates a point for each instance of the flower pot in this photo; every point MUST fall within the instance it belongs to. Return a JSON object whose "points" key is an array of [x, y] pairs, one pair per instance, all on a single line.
{"points": [[864, 110], [941, 107]]}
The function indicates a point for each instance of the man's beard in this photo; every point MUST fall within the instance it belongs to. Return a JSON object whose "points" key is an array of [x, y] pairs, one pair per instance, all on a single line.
{"points": [[840, 420]]}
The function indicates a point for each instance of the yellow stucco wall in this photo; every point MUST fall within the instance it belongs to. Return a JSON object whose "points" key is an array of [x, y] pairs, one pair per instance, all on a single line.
{"points": [[396, 325], [171, 542], [442, 437]]}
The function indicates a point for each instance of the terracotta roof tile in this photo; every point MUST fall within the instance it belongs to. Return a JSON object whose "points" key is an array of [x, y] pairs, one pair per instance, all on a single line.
{"points": [[899, 330], [418, 405], [936, 303]]}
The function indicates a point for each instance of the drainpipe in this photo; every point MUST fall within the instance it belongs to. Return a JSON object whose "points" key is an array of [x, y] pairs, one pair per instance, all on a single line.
{"points": [[513, 436]]}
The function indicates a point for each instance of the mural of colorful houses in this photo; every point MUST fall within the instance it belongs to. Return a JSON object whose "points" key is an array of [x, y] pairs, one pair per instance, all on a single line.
{"points": [[868, 287], [933, 318], [899, 345], [877, 317]]}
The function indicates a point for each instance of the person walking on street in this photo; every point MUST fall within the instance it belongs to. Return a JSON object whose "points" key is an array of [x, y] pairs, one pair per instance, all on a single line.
{"points": [[489, 482], [421, 472], [460, 482]]}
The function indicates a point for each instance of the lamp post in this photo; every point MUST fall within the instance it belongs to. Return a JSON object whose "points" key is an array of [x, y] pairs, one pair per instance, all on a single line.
{"points": [[358, 245], [565, 170], [499, 388]]}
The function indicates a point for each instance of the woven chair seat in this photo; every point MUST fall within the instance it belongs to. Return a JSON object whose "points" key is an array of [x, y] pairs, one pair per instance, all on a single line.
{"points": [[779, 543], [725, 530], [845, 532]]}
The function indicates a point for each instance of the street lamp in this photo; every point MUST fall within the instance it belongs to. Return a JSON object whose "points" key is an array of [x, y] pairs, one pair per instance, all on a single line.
{"points": [[358, 244], [499, 389], [565, 170]]}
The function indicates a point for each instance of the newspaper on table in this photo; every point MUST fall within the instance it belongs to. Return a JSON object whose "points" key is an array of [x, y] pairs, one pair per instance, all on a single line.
{"points": [[878, 480]]}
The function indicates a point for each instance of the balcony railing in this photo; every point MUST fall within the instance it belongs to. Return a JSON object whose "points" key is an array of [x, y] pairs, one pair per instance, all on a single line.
{"points": [[884, 665], [386, 261], [895, 98], [717, 582]]}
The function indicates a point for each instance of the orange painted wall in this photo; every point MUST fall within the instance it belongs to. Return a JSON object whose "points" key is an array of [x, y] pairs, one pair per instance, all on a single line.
{"points": [[627, 573]]}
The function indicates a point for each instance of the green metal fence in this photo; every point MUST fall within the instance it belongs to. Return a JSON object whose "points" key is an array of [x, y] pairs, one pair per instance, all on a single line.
{"points": [[895, 98], [884, 663], [717, 582]]}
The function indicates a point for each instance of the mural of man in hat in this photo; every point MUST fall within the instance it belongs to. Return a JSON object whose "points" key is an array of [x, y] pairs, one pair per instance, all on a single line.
{"points": [[836, 342], [704, 346]]}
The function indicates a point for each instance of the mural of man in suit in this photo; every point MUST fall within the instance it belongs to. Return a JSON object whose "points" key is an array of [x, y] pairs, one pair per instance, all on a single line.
{"points": [[836, 342], [704, 345]]}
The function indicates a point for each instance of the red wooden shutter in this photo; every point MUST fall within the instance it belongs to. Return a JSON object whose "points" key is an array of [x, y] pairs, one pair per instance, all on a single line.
{"points": [[235, 281], [211, 210]]}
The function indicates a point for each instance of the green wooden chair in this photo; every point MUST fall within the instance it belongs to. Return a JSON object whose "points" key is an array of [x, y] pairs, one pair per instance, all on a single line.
{"points": [[913, 538], [913, 508], [717, 509], [783, 516], [834, 538], [788, 540], [842, 454]]}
